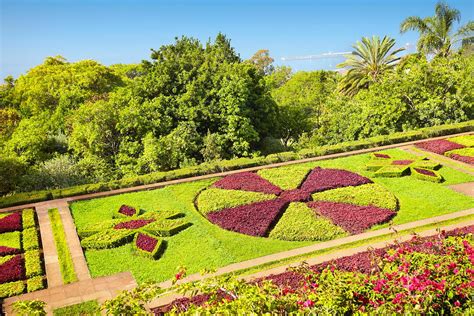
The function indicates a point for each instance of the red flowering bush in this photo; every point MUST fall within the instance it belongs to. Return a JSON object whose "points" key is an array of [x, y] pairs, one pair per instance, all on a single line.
{"points": [[424, 276], [247, 181], [253, 219], [12, 270], [439, 146], [353, 218], [326, 179], [10, 223]]}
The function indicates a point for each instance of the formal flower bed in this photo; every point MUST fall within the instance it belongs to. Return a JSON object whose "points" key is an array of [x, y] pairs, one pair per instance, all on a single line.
{"points": [[422, 169], [145, 231], [259, 212], [424, 276], [21, 267], [458, 148]]}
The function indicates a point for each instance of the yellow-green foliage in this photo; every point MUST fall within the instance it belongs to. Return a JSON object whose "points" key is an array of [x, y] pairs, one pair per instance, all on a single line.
{"points": [[34, 284], [11, 239], [33, 263], [215, 199], [466, 140], [28, 218], [287, 178], [367, 194], [469, 152], [299, 222], [11, 288], [30, 239]]}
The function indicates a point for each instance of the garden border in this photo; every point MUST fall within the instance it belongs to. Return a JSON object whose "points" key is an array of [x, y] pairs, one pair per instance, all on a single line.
{"points": [[222, 174]]}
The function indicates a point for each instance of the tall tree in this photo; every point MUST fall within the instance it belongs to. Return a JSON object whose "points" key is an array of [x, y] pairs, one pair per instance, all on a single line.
{"points": [[437, 35], [262, 60], [369, 60]]}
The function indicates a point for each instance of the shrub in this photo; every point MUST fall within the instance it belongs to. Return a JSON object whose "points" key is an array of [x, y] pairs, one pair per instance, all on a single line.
{"points": [[392, 171], [439, 146], [34, 284], [34, 307], [287, 178], [353, 218], [12, 270], [11, 240], [25, 198], [167, 228], [11, 288], [364, 195], [109, 238], [299, 222], [10, 223], [148, 245], [425, 174], [30, 239], [377, 164], [213, 199], [246, 181], [28, 218], [126, 210], [33, 263], [465, 140], [253, 219]]}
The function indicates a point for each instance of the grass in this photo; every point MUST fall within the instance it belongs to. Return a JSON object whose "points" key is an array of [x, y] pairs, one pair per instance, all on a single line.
{"points": [[66, 264], [299, 222], [85, 308], [11, 239], [204, 245]]}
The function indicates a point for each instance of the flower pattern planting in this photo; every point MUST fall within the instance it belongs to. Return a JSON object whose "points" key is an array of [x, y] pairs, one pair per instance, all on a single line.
{"points": [[10, 223], [439, 146], [259, 218], [5, 251], [134, 224], [12, 270], [425, 172], [146, 243], [127, 210]]}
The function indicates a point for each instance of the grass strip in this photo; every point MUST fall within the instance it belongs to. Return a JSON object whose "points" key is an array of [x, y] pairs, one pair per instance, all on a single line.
{"points": [[65, 260], [85, 308]]}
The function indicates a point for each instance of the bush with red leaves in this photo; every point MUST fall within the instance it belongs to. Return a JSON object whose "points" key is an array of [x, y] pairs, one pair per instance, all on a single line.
{"points": [[296, 195], [134, 224], [466, 159], [425, 172], [353, 218], [5, 251], [439, 146], [402, 162], [247, 181], [325, 179], [12, 270], [254, 219], [146, 243], [10, 223], [127, 210]]}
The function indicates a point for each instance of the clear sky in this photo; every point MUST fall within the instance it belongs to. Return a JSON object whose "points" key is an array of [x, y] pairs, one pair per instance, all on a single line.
{"points": [[123, 31]]}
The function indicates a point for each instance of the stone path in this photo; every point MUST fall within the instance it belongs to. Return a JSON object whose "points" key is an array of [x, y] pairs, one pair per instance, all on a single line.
{"points": [[455, 164], [318, 259], [221, 174], [464, 188], [101, 289]]}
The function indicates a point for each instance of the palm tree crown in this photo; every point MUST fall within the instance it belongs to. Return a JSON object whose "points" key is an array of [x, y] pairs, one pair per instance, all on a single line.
{"points": [[436, 32], [369, 60]]}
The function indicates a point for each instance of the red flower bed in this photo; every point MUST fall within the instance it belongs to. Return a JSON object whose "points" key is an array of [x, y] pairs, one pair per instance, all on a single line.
{"points": [[134, 224], [439, 146], [402, 162], [466, 159], [382, 155], [247, 181], [296, 195], [425, 172], [127, 210], [11, 223], [253, 219], [5, 251], [146, 243], [12, 270], [325, 179], [353, 218]]}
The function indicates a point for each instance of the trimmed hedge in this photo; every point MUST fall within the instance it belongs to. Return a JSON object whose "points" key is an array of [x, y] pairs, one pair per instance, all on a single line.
{"points": [[28, 218], [148, 245], [66, 264], [214, 199], [427, 175], [287, 178], [465, 140], [11, 240], [239, 163], [34, 284], [110, 238], [394, 171], [11, 288], [33, 263], [30, 239]]}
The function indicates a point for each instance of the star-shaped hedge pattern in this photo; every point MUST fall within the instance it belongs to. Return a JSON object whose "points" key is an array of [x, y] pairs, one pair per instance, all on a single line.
{"points": [[145, 229], [383, 165], [253, 204]]}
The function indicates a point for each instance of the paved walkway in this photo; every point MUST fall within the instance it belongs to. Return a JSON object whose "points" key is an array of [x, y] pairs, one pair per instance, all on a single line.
{"points": [[101, 289], [464, 188], [316, 260], [221, 174]]}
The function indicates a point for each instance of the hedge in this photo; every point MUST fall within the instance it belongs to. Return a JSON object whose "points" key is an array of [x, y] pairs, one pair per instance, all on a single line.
{"points": [[238, 163], [30, 239], [12, 288], [33, 264], [34, 284]]}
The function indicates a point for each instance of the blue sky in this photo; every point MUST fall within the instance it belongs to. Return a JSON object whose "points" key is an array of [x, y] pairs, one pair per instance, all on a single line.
{"points": [[123, 31]]}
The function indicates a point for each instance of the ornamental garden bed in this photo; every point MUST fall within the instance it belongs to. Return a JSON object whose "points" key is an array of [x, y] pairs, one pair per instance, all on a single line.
{"points": [[21, 259], [430, 275], [459, 148], [250, 215]]}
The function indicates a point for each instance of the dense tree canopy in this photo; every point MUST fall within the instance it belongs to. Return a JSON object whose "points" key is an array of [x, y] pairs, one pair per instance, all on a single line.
{"points": [[66, 123]]}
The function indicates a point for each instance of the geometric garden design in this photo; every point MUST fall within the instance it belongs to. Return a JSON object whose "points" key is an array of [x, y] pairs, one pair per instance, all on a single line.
{"points": [[317, 204], [144, 229]]}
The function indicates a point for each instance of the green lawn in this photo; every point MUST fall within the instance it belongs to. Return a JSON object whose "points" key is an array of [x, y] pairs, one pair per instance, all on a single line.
{"points": [[205, 245]]}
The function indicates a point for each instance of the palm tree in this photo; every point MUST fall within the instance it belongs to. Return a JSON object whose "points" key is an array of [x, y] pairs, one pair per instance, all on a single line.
{"points": [[369, 60], [437, 32]]}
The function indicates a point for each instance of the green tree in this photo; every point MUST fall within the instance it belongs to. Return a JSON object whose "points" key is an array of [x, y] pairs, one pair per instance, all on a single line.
{"points": [[437, 34], [367, 63], [262, 60]]}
